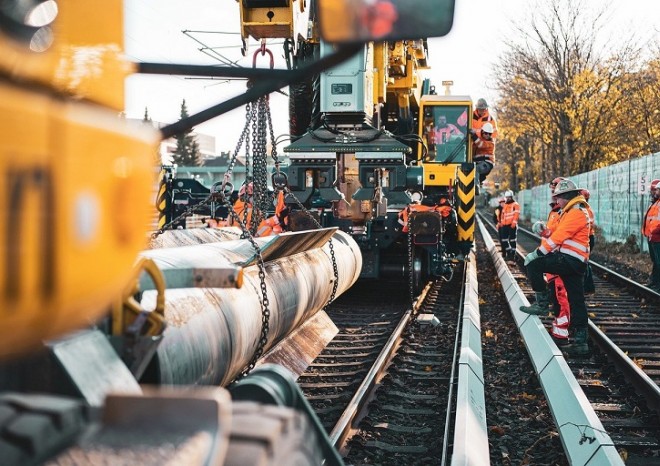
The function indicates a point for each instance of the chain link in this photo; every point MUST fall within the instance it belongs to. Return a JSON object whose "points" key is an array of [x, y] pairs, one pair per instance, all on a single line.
{"points": [[411, 272]]}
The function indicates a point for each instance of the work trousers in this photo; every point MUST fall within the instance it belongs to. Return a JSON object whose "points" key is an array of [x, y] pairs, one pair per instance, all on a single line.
{"points": [[560, 308], [571, 271], [654, 251], [508, 236]]}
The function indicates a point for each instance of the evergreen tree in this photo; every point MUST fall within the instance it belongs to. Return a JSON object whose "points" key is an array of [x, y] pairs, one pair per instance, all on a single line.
{"points": [[146, 119], [187, 152]]}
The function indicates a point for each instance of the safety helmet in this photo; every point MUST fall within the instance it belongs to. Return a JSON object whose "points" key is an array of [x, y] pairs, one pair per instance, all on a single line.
{"points": [[482, 104], [538, 227], [586, 194], [508, 193], [487, 128], [654, 184], [555, 182], [249, 187], [565, 186]]}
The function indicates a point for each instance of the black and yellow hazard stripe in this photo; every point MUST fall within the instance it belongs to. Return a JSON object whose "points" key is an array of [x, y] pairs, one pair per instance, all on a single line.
{"points": [[162, 199], [466, 207]]}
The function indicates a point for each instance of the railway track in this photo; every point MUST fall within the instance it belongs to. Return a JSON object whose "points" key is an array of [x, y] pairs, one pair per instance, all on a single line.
{"points": [[619, 388]]}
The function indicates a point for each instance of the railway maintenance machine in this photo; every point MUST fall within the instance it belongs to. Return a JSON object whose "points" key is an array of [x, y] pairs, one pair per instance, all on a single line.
{"points": [[112, 352]]}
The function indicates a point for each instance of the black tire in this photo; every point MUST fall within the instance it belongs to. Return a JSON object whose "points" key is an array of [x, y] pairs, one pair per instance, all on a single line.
{"points": [[33, 428], [271, 435]]}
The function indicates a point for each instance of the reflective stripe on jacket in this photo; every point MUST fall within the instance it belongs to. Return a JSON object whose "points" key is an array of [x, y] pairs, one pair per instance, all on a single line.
{"points": [[571, 236], [510, 214]]}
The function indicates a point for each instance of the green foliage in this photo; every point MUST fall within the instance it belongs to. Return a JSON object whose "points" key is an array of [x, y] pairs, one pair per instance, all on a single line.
{"points": [[187, 152]]}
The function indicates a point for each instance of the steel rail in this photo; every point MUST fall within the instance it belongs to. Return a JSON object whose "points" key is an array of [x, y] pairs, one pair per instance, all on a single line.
{"points": [[636, 376], [570, 408], [344, 425]]}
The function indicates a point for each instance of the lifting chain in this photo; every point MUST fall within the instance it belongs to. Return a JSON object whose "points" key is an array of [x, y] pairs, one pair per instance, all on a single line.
{"points": [[411, 272]]}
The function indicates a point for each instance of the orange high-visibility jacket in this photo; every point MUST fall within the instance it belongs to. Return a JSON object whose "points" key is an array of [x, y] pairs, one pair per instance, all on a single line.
{"points": [[239, 207], [571, 236], [651, 223], [510, 214], [479, 121], [484, 148]]}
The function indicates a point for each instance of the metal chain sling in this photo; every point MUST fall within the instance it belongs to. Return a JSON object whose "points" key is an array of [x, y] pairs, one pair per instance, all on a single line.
{"points": [[285, 187]]}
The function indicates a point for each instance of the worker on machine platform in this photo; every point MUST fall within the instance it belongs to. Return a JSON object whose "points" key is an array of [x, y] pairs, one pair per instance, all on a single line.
{"points": [[483, 148]]}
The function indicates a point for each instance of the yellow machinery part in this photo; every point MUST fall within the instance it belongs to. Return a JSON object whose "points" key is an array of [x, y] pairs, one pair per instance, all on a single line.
{"points": [[127, 310], [285, 19], [466, 206], [84, 59], [76, 201], [436, 174]]}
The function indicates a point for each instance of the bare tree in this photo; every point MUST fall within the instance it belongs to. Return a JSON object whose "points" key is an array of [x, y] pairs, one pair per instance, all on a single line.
{"points": [[562, 82]]}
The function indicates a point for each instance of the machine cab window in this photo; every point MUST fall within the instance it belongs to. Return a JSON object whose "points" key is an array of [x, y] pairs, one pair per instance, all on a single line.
{"points": [[445, 133]]}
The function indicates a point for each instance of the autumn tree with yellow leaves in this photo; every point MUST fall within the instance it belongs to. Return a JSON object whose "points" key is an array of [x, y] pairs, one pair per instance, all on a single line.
{"points": [[571, 99]]}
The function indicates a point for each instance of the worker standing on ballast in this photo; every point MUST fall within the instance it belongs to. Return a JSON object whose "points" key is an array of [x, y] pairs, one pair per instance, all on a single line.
{"points": [[497, 217], [651, 231], [565, 253], [509, 225]]}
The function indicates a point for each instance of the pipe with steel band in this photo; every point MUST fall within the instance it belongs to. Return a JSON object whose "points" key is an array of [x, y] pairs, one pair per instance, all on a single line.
{"points": [[212, 333]]}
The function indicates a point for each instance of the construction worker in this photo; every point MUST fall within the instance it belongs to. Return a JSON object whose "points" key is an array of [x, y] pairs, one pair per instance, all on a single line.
{"points": [[589, 285], [443, 131], [483, 148], [497, 216], [243, 206], [558, 297], [442, 207], [651, 230], [509, 225], [565, 253], [481, 116], [276, 223]]}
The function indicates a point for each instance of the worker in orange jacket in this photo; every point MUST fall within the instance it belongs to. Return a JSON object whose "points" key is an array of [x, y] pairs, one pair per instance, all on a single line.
{"points": [[651, 231], [565, 253], [481, 116], [483, 150], [497, 216], [509, 225], [243, 207], [557, 295], [277, 223]]}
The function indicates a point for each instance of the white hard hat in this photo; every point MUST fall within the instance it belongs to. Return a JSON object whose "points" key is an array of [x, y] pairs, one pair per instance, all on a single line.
{"points": [[487, 128], [508, 193], [565, 186]]}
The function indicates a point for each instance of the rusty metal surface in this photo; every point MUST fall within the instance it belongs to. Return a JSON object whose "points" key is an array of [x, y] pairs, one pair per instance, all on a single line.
{"points": [[297, 351], [212, 333]]}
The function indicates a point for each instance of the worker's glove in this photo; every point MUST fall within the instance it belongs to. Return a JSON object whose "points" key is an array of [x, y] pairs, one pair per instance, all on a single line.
{"points": [[546, 233], [535, 254], [473, 134]]}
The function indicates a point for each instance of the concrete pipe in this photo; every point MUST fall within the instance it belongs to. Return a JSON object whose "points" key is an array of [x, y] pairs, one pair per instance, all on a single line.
{"points": [[213, 333]]}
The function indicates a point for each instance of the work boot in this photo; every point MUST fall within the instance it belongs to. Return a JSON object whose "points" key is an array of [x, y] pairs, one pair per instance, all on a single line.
{"points": [[540, 307], [578, 346]]}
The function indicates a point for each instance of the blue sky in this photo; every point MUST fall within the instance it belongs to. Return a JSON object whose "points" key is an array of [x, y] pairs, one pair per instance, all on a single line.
{"points": [[466, 56]]}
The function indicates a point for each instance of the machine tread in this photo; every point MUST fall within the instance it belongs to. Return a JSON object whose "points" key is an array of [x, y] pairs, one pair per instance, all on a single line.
{"points": [[34, 427], [271, 435]]}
